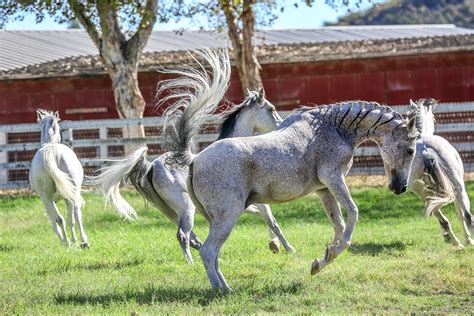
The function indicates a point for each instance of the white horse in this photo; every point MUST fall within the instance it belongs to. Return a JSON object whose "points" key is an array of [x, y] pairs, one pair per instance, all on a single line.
{"points": [[57, 173], [312, 150], [165, 186], [437, 175]]}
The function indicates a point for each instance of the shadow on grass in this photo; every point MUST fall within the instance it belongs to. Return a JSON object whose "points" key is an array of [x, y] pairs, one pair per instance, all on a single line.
{"points": [[152, 295], [114, 265], [374, 249], [8, 248]]}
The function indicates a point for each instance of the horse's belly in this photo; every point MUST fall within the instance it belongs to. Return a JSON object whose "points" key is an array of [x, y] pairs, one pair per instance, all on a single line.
{"points": [[283, 191]]}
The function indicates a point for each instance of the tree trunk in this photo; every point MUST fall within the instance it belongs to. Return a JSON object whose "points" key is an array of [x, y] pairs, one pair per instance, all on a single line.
{"points": [[120, 56], [243, 44], [129, 102]]}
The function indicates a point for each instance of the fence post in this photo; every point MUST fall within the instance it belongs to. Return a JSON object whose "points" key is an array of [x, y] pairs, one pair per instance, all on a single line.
{"points": [[67, 137], [103, 148], [3, 159]]}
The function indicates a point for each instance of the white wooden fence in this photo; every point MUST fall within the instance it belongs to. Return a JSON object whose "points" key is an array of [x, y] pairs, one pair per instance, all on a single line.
{"points": [[367, 160]]}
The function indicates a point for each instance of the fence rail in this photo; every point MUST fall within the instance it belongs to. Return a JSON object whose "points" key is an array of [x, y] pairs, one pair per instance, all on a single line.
{"points": [[18, 142]]}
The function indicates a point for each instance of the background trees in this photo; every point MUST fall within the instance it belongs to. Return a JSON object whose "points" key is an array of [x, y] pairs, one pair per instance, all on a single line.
{"points": [[119, 30]]}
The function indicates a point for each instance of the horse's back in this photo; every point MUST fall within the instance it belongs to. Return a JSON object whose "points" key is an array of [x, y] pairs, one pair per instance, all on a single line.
{"points": [[66, 160], [446, 152]]}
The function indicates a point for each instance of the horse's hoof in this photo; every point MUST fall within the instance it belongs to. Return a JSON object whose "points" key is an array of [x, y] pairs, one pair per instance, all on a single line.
{"points": [[459, 247], [446, 237], [85, 245], [315, 267], [274, 246]]}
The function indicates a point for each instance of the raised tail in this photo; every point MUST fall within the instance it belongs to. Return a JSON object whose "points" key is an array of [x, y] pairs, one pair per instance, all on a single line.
{"points": [[133, 166], [64, 184], [441, 185], [197, 96]]}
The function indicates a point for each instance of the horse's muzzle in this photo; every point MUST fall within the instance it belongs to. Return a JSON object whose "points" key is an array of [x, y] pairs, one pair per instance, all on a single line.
{"points": [[397, 188]]}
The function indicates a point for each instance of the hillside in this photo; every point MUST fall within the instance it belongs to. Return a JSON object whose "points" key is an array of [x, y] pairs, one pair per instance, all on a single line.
{"points": [[459, 12]]}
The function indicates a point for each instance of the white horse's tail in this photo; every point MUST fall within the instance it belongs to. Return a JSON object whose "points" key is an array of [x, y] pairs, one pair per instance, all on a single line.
{"points": [[133, 166], [443, 192], [64, 184], [197, 96]]}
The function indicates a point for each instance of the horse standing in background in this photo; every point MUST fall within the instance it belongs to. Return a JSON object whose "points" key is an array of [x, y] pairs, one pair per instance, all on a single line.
{"points": [[166, 186], [311, 151], [57, 173], [438, 175]]}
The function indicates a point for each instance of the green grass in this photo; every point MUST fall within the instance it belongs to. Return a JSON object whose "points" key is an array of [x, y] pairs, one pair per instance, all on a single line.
{"points": [[398, 262]]}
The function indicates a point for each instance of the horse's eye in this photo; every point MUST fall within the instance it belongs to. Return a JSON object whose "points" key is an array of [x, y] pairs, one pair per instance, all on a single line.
{"points": [[410, 151]]}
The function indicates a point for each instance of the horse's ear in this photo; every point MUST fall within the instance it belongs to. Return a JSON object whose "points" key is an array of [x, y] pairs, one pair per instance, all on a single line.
{"points": [[411, 127], [413, 105], [39, 116], [56, 115], [261, 95], [434, 106]]}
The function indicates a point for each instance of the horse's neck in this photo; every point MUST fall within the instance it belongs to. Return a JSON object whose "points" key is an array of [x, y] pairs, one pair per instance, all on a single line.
{"points": [[361, 121], [428, 127], [243, 125], [46, 138]]}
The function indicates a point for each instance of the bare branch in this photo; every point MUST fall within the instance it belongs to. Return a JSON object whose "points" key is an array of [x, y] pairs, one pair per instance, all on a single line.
{"points": [[137, 42], [80, 13]]}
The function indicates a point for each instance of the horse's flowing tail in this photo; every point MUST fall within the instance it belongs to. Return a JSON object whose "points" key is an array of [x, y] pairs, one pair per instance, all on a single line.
{"points": [[443, 192], [64, 184], [197, 97], [133, 166]]}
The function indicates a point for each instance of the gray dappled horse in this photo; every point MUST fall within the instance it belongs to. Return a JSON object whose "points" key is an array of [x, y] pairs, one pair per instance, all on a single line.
{"points": [[166, 186], [438, 175], [57, 173], [311, 151]]}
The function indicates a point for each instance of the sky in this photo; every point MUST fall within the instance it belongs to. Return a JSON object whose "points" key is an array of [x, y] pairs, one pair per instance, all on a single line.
{"points": [[302, 17]]}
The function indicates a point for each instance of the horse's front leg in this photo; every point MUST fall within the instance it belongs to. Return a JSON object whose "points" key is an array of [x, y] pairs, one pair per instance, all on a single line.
{"points": [[337, 187], [333, 212]]}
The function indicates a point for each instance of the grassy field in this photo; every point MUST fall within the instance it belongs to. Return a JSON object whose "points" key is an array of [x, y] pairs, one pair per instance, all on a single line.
{"points": [[398, 262]]}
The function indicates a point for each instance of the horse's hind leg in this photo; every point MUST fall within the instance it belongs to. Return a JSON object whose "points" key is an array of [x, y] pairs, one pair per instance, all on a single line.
{"points": [[265, 211], [71, 221], [333, 212], [82, 233], [219, 231], [446, 226], [462, 205], [57, 221], [186, 222]]}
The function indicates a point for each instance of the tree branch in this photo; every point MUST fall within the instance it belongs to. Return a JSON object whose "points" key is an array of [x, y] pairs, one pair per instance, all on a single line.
{"points": [[232, 28], [80, 13], [137, 42]]}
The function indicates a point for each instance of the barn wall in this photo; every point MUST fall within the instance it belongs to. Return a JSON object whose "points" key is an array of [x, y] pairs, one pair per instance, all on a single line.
{"points": [[448, 77]]}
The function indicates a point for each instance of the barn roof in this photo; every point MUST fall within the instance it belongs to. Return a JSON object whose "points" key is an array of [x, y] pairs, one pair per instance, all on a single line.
{"points": [[29, 54]]}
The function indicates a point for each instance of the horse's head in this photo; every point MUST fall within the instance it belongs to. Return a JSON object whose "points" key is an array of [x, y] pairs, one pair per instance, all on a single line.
{"points": [[255, 115], [398, 150], [263, 114], [50, 131], [424, 109]]}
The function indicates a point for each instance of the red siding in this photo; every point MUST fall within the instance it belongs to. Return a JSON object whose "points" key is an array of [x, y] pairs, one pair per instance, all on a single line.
{"points": [[448, 77]]}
